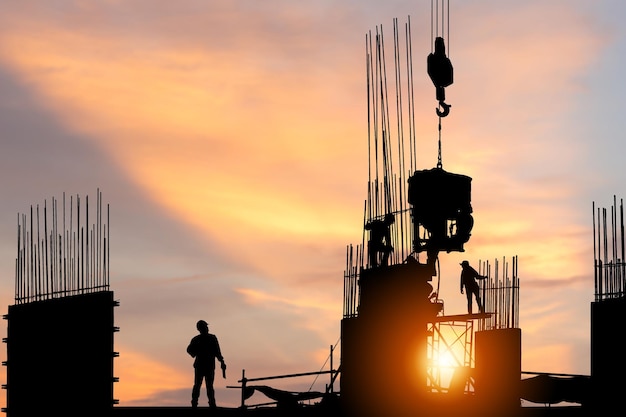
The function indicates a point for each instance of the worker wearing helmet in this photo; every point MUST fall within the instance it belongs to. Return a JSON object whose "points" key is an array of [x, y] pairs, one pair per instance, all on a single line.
{"points": [[468, 282], [204, 348]]}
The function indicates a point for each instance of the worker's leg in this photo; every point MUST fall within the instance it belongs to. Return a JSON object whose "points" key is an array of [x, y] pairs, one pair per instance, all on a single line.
{"points": [[385, 260], [210, 378], [481, 308], [195, 392], [468, 293]]}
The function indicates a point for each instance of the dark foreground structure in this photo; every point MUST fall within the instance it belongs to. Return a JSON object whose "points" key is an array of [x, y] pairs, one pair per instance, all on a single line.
{"points": [[60, 351], [395, 334]]}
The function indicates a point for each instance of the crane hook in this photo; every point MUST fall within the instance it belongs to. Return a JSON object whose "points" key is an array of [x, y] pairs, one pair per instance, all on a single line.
{"points": [[446, 109]]}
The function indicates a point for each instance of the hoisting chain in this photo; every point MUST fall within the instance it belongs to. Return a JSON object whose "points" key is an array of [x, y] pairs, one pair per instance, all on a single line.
{"points": [[439, 163]]}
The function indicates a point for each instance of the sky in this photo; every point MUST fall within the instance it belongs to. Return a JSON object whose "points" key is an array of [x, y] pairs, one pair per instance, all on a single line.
{"points": [[230, 141]]}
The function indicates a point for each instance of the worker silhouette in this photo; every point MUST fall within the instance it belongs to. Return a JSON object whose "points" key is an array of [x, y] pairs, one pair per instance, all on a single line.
{"points": [[380, 240], [468, 281], [205, 348]]}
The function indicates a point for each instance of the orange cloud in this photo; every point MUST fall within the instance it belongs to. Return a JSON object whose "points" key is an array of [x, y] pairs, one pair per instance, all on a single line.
{"points": [[141, 377], [203, 133]]}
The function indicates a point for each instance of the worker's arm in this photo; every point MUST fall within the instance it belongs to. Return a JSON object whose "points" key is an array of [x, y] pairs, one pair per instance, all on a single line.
{"points": [[191, 349], [220, 357]]}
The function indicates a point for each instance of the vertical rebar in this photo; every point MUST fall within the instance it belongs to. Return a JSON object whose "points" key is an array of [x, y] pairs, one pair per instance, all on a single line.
{"points": [[60, 262]]}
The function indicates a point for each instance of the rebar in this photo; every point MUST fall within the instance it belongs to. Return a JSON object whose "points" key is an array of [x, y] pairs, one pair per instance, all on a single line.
{"points": [[608, 252], [500, 294], [61, 262]]}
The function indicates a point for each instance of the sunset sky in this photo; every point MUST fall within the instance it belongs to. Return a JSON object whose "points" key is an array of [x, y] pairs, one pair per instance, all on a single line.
{"points": [[230, 140]]}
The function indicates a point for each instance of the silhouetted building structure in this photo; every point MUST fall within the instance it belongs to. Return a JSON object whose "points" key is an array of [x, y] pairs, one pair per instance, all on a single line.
{"points": [[393, 327], [60, 354], [607, 365], [60, 329]]}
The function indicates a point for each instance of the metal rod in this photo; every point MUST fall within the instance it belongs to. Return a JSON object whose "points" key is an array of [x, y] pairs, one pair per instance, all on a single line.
{"points": [[61, 262]]}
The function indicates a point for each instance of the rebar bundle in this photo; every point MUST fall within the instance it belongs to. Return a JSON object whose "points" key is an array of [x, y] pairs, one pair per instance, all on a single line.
{"points": [[350, 281], [500, 294], [59, 253], [608, 252], [391, 137]]}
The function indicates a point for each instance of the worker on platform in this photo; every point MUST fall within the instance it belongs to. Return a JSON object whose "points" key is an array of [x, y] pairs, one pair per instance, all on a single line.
{"points": [[468, 282], [205, 348], [380, 240]]}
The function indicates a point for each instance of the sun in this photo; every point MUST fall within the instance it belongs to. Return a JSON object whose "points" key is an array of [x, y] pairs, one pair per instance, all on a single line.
{"points": [[445, 362], [445, 359]]}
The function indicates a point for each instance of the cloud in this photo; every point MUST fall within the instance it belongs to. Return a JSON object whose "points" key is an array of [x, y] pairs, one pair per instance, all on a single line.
{"points": [[141, 377], [231, 142]]}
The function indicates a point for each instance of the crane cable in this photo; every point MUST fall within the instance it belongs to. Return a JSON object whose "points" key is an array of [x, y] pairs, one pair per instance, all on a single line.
{"points": [[434, 21], [440, 9]]}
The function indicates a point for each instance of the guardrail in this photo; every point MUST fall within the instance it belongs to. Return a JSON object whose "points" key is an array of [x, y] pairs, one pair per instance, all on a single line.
{"points": [[244, 383]]}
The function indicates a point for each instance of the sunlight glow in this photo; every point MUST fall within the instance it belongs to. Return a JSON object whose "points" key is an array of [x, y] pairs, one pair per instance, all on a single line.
{"points": [[445, 359]]}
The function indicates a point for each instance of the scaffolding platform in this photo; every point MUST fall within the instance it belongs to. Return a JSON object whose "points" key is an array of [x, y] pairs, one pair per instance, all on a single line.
{"points": [[462, 317]]}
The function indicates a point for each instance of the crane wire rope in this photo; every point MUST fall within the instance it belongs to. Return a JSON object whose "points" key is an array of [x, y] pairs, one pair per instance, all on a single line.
{"points": [[439, 8]]}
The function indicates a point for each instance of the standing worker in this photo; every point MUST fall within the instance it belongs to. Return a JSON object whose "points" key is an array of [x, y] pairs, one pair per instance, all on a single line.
{"points": [[205, 348], [468, 281]]}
